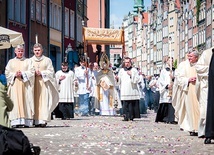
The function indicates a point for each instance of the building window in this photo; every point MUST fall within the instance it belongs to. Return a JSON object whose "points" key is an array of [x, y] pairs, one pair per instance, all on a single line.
{"points": [[11, 8], [16, 13], [186, 48], [59, 17], [66, 21], [209, 18], [32, 9], [51, 15], [38, 10], [148, 60], [72, 24], [79, 28], [189, 33], [204, 36], [55, 16], [116, 56], [193, 41], [23, 11], [171, 22], [155, 56], [44, 12], [194, 21], [151, 55]]}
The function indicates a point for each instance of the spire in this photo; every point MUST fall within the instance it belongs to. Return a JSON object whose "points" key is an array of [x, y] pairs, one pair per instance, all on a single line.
{"points": [[138, 4]]}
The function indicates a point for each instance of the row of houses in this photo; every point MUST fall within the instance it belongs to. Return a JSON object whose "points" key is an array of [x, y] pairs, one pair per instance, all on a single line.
{"points": [[56, 24], [167, 28]]}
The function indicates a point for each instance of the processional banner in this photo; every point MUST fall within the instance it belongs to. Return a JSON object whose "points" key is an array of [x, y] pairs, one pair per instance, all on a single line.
{"points": [[103, 36]]}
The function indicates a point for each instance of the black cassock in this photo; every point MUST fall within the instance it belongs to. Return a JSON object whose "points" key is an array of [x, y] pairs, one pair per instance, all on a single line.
{"points": [[209, 128]]}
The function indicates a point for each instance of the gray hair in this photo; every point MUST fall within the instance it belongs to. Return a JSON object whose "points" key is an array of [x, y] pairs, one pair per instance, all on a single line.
{"points": [[38, 45], [195, 52], [19, 46]]}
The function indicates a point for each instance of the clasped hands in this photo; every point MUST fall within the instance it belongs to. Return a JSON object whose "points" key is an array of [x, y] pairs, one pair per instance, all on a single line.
{"points": [[192, 80], [38, 73], [19, 74]]}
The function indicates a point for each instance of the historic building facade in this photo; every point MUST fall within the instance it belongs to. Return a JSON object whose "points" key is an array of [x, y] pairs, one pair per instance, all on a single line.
{"points": [[56, 24], [174, 28]]}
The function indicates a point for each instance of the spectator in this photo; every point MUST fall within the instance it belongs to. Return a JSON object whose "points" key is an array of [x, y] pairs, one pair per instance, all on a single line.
{"points": [[6, 105]]}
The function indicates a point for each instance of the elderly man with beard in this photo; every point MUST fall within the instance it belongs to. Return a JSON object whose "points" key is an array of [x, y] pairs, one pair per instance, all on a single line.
{"points": [[20, 79], [128, 79], [67, 84], [46, 95]]}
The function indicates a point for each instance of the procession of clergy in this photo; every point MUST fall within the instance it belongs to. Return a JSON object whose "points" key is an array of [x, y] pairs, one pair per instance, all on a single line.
{"points": [[182, 95]]}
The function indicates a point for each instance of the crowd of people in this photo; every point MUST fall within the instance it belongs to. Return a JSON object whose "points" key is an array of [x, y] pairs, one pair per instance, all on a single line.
{"points": [[181, 95]]}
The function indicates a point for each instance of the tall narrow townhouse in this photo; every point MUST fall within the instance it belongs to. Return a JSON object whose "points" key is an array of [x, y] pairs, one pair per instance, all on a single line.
{"points": [[152, 48], [145, 23], [174, 7], [165, 22], [183, 30], [129, 32], [138, 42], [148, 30], [158, 53]]}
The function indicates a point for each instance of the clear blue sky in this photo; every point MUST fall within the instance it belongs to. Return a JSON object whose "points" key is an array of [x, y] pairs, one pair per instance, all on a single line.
{"points": [[120, 8]]}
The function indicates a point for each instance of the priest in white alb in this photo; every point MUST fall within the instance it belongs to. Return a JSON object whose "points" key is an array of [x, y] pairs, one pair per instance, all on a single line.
{"points": [[20, 79], [46, 95], [202, 69], [189, 112]]}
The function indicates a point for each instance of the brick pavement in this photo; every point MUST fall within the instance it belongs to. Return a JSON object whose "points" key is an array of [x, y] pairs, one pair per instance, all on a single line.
{"points": [[102, 135]]}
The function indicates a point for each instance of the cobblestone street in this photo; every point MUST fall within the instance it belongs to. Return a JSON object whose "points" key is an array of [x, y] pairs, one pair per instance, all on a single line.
{"points": [[102, 135]]}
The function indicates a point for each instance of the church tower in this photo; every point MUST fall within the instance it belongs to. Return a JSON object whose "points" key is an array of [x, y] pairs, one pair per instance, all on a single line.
{"points": [[138, 4]]}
